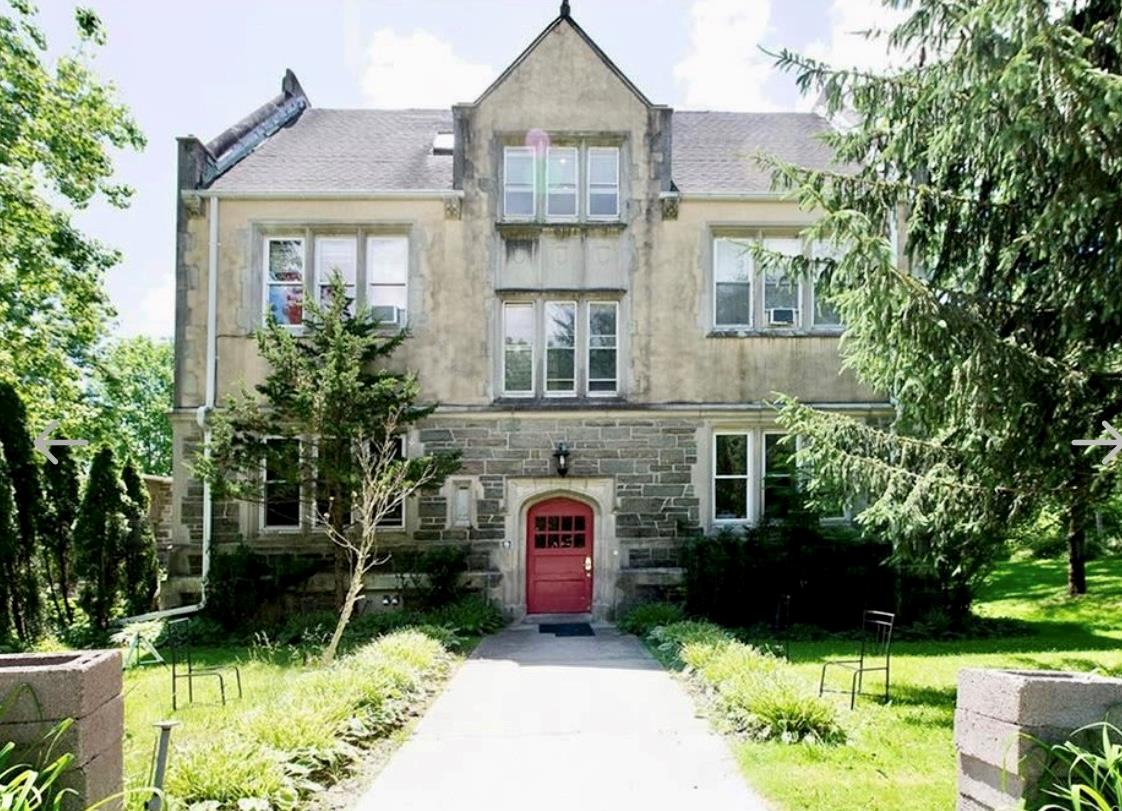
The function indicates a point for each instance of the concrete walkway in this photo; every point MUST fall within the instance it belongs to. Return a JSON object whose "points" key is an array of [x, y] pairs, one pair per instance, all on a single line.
{"points": [[534, 722]]}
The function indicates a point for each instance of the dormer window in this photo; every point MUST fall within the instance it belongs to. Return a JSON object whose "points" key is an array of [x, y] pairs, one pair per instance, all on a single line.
{"points": [[571, 181]]}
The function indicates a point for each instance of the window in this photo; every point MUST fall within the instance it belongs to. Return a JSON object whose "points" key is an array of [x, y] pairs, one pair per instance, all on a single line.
{"points": [[387, 272], [732, 283], [518, 349], [602, 345], [284, 280], [603, 183], [781, 292], [281, 506], [779, 482], [561, 183], [560, 348], [334, 452], [824, 313], [395, 518], [519, 189], [335, 255], [731, 472]]}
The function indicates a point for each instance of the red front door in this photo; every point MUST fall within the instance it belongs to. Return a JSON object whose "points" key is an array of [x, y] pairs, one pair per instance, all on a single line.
{"points": [[559, 557]]}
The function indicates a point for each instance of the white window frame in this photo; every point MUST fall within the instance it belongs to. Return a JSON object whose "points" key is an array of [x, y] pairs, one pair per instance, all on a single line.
{"points": [[508, 152], [764, 434], [801, 320], [321, 284], [369, 284], [750, 510], [753, 285], [263, 509], [549, 215], [821, 250], [534, 308], [588, 350], [546, 392], [593, 150], [266, 284]]}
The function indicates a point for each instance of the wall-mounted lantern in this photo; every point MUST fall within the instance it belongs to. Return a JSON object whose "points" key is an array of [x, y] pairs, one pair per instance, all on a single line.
{"points": [[562, 457]]}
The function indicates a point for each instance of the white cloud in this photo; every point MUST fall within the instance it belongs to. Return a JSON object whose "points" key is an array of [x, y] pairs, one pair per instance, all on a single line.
{"points": [[847, 46], [724, 68], [419, 70], [147, 309]]}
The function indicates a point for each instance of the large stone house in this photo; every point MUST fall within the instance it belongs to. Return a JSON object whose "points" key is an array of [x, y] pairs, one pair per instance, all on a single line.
{"points": [[569, 258]]}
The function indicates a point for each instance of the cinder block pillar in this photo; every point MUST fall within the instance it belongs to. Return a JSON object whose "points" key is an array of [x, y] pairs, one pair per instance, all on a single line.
{"points": [[85, 686], [998, 709]]}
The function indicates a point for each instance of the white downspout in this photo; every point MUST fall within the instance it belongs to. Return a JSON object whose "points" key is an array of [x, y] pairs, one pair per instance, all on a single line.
{"points": [[201, 414]]}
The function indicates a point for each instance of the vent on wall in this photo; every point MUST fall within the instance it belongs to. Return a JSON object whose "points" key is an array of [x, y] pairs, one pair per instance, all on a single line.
{"points": [[442, 143]]}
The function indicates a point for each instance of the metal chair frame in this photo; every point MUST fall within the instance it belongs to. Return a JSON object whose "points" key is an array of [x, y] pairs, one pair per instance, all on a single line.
{"points": [[876, 642], [781, 626], [196, 672]]}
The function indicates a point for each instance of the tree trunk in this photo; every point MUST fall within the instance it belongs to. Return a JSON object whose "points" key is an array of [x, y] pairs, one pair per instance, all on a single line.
{"points": [[1077, 549], [64, 587], [52, 589], [358, 574]]}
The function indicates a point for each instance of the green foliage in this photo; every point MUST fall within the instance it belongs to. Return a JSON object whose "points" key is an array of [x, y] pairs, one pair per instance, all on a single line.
{"points": [[643, 618], [1083, 773], [61, 124], [100, 534], [470, 616], [244, 587], [1004, 342], [431, 576], [131, 394], [141, 572], [30, 775], [309, 734], [23, 587], [56, 529]]}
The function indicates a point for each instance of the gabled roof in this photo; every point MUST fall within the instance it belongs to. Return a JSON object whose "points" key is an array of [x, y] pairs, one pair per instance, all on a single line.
{"points": [[565, 19]]}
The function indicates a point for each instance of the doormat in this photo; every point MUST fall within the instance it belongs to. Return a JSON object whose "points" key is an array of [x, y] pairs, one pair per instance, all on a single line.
{"points": [[567, 629]]}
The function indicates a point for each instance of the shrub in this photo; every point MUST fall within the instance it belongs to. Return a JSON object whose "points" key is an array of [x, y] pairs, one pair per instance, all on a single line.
{"points": [[243, 585], [641, 619], [473, 615], [669, 640], [431, 577], [771, 704], [231, 768]]}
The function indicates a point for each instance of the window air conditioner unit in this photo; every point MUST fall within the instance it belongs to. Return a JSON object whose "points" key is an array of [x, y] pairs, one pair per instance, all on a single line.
{"points": [[389, 315], [782, 316]]}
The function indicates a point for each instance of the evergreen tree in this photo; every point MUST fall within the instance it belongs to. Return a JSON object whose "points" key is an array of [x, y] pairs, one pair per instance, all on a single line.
{"points": [[99, 539], [8, 545], [141, 569], [56, 527], [24, 475], [998, 337]]}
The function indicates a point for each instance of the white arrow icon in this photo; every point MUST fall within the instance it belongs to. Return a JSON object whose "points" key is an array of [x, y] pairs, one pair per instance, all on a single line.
{"points": [[1114, 442], [43, 442]]}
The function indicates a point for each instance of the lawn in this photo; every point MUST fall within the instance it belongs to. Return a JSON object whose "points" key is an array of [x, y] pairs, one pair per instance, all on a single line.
{"points": [[901, 756]]}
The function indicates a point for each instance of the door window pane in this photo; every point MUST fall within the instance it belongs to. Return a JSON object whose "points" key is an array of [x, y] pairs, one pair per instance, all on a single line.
{"points": [[732, 278], [518, 349], [518, 182], [603, 183], [561, 182], [335, 255], [560, 347], [387, 273], [284, 280], [602, 347]]}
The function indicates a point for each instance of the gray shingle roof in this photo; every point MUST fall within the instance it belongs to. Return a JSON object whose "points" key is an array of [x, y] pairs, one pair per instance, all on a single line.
{"points": [[367, 150], [716, 151]]}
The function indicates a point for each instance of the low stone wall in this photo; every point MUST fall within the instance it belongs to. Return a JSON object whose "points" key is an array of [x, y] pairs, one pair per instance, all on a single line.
{"points": [[999, 710]]}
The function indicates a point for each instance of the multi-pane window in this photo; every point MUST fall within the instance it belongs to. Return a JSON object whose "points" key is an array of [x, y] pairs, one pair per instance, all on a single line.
{"points": [[518, 349], [519, 189], [732, 283], [561, 183], [731, 474], [825, 314], [387, 272], [603, 183], [779, 481], [603, 341], [284, 280], [781, 290], [560, 348], [281, 505], [395, 518], [336, 255]]}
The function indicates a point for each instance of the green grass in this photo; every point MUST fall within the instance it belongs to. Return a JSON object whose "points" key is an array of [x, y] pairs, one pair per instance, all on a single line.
{"points": [[901, 756]]}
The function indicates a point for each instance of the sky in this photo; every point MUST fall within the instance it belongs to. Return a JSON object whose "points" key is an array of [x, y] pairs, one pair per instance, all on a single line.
{"points": [[197, 72]]}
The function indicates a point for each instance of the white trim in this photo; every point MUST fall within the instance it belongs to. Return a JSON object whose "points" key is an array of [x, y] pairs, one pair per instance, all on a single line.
{"points": [[749, 500], [549, 216], [533, 349], [368, 291], [588, 349], [280, 529], [615, 151], [575, 348], [752, 275], [266, 283], [508, 151], [337, 194]]}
